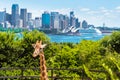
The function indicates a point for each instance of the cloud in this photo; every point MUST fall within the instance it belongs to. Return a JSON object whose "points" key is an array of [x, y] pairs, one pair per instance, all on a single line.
{"points": [[84, 9], [117, 8], [93, 12], [101, 15]]}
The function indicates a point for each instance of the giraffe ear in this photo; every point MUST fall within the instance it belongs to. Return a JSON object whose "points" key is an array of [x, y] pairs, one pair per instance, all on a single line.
{"points": [[33, 45], [43, 46]]}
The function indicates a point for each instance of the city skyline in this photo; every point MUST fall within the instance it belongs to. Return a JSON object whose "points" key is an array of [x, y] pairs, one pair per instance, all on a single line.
{"points": [[94, 12]]}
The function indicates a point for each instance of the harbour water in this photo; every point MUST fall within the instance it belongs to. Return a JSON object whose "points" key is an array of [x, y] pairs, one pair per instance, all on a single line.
{"points": [[76, 38]]}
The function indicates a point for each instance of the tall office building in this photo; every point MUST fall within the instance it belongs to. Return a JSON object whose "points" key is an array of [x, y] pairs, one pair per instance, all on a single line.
{"points": [[64, 21], [37, 22], [55, 20], [20, 23], [9, 18], [77, 23], [46, 20], [71, 18], [3, 18], [29, 16], [84, 24], [15, 15], [23, 16]]}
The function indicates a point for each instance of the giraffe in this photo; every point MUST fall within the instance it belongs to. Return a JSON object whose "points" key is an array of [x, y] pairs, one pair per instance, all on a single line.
{"points": [[39, 51]]}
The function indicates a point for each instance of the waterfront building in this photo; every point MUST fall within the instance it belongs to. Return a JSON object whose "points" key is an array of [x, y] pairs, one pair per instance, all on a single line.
{"points": [[9, 18], [15, 15], [55, 20], [23, 16], [31, 24], [37, 22], [72, 18], [84, 24], [46, 20], [2, 17], [73, 22], [61, 21], [77, 23], [29, 16], [64, 21], [56, 24], [20, 25], [7, 24]]}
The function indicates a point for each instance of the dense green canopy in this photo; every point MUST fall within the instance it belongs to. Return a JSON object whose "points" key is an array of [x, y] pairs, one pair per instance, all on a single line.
{"points": [[86, 55]]}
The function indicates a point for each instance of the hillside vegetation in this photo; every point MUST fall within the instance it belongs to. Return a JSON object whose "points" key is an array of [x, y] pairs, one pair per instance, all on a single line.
{"points": [[87, 55]]}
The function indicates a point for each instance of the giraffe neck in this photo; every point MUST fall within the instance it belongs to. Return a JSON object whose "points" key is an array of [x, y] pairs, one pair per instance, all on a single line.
{"points": [[43, 68]]}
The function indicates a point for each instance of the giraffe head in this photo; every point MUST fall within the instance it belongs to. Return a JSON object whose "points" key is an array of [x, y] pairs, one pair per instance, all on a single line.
{"points": [[38, 46]]}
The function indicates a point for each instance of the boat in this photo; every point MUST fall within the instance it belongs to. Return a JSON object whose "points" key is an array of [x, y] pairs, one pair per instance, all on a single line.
{"points": [[90, 30]]}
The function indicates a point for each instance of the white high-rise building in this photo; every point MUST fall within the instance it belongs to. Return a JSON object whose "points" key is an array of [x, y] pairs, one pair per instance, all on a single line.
{"points": [[37, 22], [55, 20], [56, 24], [20, 23]]}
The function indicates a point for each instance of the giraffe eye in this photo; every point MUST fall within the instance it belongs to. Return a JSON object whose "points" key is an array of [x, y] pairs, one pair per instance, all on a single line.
{"points": [[40, 49]]}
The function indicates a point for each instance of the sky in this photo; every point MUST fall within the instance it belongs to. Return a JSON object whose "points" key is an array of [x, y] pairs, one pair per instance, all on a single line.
{"points": [[95, 12]]}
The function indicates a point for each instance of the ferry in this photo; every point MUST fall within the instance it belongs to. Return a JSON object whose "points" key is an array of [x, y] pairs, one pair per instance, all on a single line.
{"points": [[90, 30]]}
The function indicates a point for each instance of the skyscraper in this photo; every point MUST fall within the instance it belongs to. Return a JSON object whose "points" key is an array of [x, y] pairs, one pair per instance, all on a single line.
{"points": [[46, 20], [55, 20], [84, 24], [23, 16], [67, 20], [77, 23], [71, 18], [15, 15], [8, 18], [29, 16], [2, 17], [37, 22]]}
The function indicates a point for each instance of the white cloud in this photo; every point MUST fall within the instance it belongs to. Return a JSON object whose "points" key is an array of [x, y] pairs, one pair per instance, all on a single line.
{"points": [[84, 9], [93, 12], [98, 16], [118, 8]]}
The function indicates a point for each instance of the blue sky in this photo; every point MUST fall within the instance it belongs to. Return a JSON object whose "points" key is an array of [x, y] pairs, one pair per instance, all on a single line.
{"points": [[95, 12]]}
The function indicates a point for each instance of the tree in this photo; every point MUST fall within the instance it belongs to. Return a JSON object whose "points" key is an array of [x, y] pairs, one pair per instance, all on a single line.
{"points": [[114, 41]]}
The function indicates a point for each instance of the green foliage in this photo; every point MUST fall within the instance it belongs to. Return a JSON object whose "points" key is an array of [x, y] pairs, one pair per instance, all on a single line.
{"points": [[9, 48], [96, 55], [88, 72], [110, 72], [114, 41]]}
